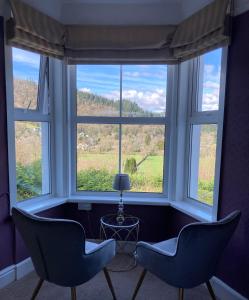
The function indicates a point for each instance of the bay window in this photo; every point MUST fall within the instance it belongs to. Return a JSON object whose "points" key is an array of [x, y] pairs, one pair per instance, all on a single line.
{"points": [[160, 124]]}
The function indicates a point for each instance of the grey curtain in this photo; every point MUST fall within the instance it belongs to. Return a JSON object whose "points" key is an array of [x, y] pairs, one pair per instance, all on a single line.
{"points": [[161, 56], [119, 44], [205, 30], [78, 44], [35, 31]]}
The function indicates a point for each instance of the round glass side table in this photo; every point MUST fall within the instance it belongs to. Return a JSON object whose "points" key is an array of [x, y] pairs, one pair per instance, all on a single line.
{"points": [[126, 236]]}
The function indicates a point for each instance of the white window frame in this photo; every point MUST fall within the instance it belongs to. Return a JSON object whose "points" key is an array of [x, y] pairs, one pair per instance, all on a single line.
{"points": [[29, 115], [74, 120], [195, 117]]}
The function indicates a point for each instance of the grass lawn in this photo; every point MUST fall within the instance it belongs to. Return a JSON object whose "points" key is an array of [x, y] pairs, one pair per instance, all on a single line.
{"points": [[148, 177]]}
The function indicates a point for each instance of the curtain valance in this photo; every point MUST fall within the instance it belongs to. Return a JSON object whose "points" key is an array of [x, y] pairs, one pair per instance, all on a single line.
{"points": [[31, 29], [152, 56], [205, 30], [118, 37], [119, 44]]}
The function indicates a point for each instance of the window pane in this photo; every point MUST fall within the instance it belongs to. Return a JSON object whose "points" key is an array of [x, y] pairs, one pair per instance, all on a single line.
{"points": [[144, 90], [203, 156], [26, 77], [97, 156], [32, 159], [210, 68], [143, 156], [98, 90]]}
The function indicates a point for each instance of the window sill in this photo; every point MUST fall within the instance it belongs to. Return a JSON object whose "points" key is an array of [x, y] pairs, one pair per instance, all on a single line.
{"points": [[41, 204], [197, 212], [161, 201]]}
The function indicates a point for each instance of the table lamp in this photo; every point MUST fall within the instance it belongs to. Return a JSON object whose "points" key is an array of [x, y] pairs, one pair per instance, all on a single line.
{"points": [[121, 183]]}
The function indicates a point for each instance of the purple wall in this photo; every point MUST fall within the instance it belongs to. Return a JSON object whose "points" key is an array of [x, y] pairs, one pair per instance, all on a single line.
{"points": [[234, 187], [6, 227], [152, 219], [159, 223]]}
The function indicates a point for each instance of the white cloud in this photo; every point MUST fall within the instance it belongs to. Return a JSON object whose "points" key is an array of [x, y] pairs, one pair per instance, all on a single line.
{"points": [[210, 101], [132, 74], [85, 89], [153, 100], [211, 73], [211, 87], [135, 76]]}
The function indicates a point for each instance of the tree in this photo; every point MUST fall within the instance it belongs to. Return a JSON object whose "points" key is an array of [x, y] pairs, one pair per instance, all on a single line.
{"points": [[130, 165]]}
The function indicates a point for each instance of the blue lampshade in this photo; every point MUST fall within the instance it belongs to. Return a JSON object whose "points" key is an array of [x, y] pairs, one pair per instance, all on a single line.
{"points": [[121, 182]]}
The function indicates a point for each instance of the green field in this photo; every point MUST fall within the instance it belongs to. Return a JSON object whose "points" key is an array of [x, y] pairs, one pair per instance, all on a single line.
{"points": [[148, 177]]}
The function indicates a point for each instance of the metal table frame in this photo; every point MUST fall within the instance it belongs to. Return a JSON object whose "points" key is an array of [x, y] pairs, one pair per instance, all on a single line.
{"points": [[122, 233]]}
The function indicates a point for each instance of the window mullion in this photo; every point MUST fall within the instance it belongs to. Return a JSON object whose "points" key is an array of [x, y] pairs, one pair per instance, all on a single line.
{"points": [[204, 118], [170, 158], [41, 103], [73, 121], [11, 124], [220, 131], [185, 92], [120, 126], [120, 149], [122, 120], [29, 116]]}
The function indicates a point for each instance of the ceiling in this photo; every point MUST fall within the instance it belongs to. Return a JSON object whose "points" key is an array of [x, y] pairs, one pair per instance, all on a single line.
{"points": [[123, 12]]}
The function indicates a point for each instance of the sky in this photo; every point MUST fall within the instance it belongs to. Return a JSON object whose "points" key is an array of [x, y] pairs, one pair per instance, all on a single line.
{"points": [[144, 84], [211, 80]]}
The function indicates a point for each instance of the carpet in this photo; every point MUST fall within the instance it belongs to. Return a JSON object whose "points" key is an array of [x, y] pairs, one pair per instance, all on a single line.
{"points": [[97, 288]]}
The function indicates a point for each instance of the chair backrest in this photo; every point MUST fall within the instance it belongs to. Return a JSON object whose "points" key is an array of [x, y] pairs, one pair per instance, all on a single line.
{"points": [[56, 246], [200, 246]]}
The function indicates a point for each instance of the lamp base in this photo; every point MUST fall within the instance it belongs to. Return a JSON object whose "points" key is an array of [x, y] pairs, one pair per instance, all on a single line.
{"points": [[120, 214]]}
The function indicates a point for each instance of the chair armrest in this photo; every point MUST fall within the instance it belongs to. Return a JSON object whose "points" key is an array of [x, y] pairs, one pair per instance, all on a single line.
{"points": [[153, 248], [99, 257], [103, 245], [157, 261]]}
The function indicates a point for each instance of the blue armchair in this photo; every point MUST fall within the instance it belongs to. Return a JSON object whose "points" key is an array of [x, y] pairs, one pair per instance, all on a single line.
{"points": [[189, 259], [60, 253]]}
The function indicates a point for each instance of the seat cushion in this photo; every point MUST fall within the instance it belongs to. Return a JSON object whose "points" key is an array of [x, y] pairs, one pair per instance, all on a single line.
{"points": [[89, 246], [169, 246]]}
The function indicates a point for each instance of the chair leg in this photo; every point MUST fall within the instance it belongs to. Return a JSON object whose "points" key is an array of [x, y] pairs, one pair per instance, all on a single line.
{"points": [[211, 291], [108, 279], [37, 289], [73, 293], [181, 293], [140, 281]]}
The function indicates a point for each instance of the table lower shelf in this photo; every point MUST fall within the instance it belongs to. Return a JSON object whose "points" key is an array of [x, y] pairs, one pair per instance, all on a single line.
{"points": [[122, 262]]}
